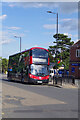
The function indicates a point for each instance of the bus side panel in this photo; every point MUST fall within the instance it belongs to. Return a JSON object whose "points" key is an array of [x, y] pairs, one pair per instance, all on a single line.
{"points": [[18, 66]]}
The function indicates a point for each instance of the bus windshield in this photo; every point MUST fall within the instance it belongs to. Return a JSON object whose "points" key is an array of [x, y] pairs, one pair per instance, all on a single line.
{"points": [[39, 70], [39, 53]]}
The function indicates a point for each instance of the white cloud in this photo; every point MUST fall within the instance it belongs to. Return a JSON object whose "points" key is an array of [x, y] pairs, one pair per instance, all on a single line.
{"points": [[70, 25], [3, 17], [8, 33], [65, 7], [76, 40], [5, 41], [68, 7], [33, 4], [14, 28], [65, 26], [11, 5], [40, 0], [68, 19], [5, 37], [35, 45], [69, 35]]}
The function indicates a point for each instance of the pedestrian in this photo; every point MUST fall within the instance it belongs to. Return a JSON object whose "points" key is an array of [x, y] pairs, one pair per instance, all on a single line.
{"points": [[60, 73]]}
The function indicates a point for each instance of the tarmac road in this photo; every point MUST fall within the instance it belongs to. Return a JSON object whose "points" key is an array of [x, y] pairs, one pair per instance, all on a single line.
{"points": [[38, 101]]}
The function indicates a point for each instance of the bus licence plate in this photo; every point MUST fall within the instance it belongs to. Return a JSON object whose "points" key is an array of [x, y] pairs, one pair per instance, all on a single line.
{"points": [[39, 81]]}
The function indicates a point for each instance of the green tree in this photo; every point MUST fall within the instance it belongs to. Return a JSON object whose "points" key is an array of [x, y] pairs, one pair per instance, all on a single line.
{"points": [[4, 64], [62, 46], [0, 64]]}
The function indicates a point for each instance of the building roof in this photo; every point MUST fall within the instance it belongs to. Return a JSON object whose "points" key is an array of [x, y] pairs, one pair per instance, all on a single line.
{"points": [[77, 44]]}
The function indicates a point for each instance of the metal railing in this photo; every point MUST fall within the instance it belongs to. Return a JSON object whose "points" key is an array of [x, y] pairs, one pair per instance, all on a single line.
{"points": [[68, 79], [59, 80]]}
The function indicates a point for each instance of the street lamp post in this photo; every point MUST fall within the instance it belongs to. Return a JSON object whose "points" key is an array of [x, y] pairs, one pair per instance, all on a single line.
{"points": [[56, 27], [20, 41]]}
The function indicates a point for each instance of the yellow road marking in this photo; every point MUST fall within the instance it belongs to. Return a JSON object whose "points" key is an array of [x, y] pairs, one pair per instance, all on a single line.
{"points": [[2, 113]]}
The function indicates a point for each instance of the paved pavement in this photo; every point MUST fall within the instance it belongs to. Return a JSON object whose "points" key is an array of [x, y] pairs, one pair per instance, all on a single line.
{"points": [[38, 101], [64, 85], [0, 98]]}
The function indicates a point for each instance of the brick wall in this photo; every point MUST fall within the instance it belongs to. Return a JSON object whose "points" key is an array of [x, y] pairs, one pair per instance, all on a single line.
{"points": [[74, 67], [73, 54], [76, 71]]}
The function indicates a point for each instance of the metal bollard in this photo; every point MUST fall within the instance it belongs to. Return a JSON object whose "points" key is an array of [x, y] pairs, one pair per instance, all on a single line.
{"points": [[73, 80], [56, 80]]}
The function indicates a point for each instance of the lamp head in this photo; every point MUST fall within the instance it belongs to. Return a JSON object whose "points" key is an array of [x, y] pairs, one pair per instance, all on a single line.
{"points": [[49, 11]]}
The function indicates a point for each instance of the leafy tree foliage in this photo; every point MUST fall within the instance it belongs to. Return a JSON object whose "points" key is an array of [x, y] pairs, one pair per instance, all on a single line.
{"points": [[4, 64], [0, 64], [60, 50]]}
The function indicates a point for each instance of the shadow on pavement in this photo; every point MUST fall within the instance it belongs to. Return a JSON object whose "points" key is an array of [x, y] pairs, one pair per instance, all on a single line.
{"points": [[16, 81]]}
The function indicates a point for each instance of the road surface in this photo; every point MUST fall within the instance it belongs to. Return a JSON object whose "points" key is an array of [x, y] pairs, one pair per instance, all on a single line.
{"points": [[37, 101]]}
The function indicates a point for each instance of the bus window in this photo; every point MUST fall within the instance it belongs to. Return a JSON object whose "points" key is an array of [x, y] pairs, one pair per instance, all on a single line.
{"points": [[36, 53]]}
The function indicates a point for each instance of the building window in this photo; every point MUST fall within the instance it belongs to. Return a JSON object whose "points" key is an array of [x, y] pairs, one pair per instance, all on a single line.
{"points": [[78, 53]]}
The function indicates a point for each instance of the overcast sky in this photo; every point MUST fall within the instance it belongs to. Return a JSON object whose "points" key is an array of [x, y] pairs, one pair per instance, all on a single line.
{"points": [[36, 27]]}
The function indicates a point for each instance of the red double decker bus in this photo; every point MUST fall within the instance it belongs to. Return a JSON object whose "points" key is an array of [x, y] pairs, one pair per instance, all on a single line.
{"points": [[30, 66]]}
